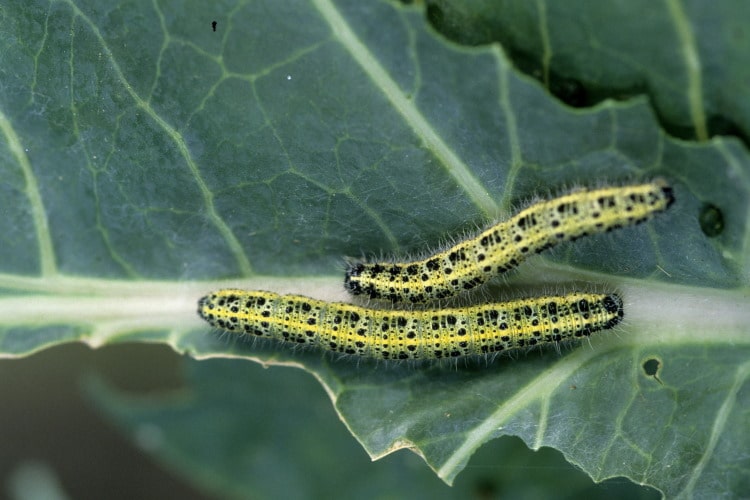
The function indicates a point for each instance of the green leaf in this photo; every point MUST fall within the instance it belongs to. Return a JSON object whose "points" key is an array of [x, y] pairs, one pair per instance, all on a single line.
{"points": [[144, 154], [297, 448], [690, 57]]}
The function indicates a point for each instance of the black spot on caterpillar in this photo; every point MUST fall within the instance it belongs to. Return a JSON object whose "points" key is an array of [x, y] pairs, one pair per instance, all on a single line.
{"points": [[416, 334], [506, 244]]}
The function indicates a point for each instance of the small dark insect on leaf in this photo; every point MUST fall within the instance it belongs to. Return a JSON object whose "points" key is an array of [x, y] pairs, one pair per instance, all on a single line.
{"points": [[213, 25]]}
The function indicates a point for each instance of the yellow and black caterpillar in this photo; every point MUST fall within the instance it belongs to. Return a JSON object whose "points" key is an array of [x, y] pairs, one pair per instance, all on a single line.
{"points": [[415, 334], [506, 244]]}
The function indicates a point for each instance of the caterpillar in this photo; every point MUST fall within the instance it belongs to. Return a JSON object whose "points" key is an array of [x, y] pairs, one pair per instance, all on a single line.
{"points": [[505, 245], [411, 334]]}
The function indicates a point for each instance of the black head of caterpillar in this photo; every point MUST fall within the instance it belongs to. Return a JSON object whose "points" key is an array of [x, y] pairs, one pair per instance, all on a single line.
{"points": [[504, 245], [417, 334]]}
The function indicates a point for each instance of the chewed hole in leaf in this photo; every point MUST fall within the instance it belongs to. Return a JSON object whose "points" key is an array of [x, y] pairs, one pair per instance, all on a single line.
{"points": [[651, 368], [711, 220]]}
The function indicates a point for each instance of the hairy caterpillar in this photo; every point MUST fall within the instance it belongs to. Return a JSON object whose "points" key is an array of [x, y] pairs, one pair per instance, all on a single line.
{"points": [[416, 334], [506, 244]]}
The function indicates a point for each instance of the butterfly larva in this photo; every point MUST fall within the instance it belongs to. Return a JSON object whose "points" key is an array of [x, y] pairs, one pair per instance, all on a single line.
{"points": [[415, 334], [506, 244]]}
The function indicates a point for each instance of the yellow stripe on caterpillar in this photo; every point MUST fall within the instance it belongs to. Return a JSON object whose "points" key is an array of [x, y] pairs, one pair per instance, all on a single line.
{"points": [[506, 244], [416, 334]]}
